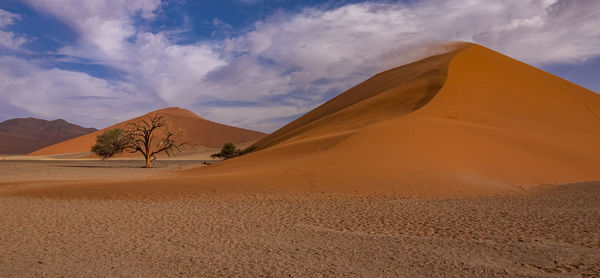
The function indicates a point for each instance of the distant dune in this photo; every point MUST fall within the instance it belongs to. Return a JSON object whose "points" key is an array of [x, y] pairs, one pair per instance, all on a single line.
{"points": [[190, 128], [469, 122], [24, 135]]}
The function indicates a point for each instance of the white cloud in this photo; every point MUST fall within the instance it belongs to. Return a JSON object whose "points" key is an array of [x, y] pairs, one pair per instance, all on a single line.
{"points": [[172, 72], [103, 25], [79, 97], [289, 62], [8, 39], [7, 18]]}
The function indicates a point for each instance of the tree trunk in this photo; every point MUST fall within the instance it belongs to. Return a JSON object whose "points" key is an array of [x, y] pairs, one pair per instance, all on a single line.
{"points": [[148, 162]]}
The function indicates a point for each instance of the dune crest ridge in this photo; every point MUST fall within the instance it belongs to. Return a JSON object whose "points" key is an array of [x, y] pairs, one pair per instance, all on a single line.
{"points": [[391, 93]]}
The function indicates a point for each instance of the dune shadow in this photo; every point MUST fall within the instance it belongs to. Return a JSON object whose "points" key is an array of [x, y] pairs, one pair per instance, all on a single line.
{"points": [[109, 166]]}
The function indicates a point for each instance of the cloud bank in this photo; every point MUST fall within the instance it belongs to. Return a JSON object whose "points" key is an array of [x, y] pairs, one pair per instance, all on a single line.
{"points": [[282, 67]]}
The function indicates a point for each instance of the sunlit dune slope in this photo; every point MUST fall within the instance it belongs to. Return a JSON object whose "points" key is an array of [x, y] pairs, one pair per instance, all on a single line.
{"points": [[493, 124], [190, 128]]}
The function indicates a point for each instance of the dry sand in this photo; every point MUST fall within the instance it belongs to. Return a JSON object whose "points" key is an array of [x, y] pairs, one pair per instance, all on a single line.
{"points": [[546, 232], [27, 171]]}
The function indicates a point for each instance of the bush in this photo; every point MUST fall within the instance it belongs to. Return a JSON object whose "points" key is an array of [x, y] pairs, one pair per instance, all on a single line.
{"points": [[230, 151]]}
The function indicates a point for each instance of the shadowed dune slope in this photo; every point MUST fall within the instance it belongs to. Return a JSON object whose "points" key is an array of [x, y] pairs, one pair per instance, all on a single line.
{"points": [[388, 94], [24, 135], [496, 125], [190, 128]]}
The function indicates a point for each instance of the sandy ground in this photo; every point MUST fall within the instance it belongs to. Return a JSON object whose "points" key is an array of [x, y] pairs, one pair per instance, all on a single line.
{"points": [[34, 171], [551, 232]]}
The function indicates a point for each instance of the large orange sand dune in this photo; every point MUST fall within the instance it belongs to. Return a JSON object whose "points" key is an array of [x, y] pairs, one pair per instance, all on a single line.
{"points": [[469, 122], [190, 128]]}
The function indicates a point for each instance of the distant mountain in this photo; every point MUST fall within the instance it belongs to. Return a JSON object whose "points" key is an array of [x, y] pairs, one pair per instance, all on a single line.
{"points": [[193, 130], [24, 135]]}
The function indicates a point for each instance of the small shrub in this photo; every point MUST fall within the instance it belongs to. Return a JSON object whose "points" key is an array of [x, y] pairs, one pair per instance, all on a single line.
{"points": [[230, 151]]}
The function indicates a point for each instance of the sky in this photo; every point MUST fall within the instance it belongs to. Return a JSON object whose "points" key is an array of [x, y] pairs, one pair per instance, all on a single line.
{"points": [[258, 64]]}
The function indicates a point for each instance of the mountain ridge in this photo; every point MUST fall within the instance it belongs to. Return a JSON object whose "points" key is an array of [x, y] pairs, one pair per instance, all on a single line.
{"points": [[24, 135]]}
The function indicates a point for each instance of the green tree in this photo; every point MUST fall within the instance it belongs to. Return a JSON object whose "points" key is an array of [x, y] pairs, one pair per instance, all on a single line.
{"points": [[229, 151], [111, 142]]}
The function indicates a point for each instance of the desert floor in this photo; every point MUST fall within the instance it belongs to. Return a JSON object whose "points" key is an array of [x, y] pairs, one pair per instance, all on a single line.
{"points": [[546, 232]]}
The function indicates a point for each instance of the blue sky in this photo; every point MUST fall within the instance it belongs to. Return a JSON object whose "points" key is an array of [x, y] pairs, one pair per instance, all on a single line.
{"points": [[256, 63]]}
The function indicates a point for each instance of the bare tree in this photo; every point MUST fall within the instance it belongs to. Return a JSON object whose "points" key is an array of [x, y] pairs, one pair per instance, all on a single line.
{"points": [[142, 135]]}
